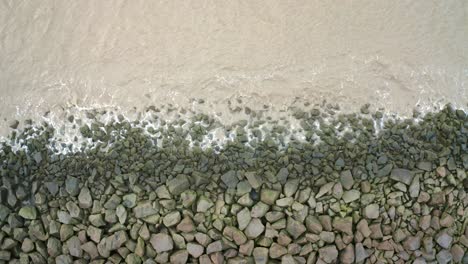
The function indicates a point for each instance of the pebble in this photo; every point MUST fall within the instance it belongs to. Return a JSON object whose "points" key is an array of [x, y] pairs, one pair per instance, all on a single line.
{"points": [[402, 175], [84, 198], [328, 254], [346, 179], [371, 211], [172, 219], [254, 229], [351, 196], [269, 196], [161, 242], [72, 186], [28, 212], [195, 250], [443, 239]]}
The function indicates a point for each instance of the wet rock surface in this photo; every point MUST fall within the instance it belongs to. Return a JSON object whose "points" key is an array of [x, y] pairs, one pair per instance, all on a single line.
{"points": [[147, 194]]}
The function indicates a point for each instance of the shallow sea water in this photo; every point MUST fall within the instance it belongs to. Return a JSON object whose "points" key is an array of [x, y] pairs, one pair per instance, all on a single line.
{"points": [[68, 55]]}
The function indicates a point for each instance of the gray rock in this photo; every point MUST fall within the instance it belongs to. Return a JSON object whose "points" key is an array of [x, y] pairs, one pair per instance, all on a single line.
{"points": [[444, 239], [74, 247], [216, 246], [260, 255], [4, 212], [178, 185], [113, 202], [328, 254], [195, 250], [259, 210], [54, 247], [52, 187], [290, 188], [344, 225], [325, 189], [371, 211], [282, 175], [230, 179], [204, 204], [414, 187], [254, 229], [28, 212], [161, 242], [63, 259], [360, 253], [444, 257], [295, 228], [72, 186], [313, 224], [351, 196], [277, 251], [129, 200], [243, 218], [84, 198], [346, 179], [172, 219], [144, 209], [327, 237], [412, 243], [402, 175], [179, 257], [121, 213], [347, 254], [254, 180], [269, 196]]}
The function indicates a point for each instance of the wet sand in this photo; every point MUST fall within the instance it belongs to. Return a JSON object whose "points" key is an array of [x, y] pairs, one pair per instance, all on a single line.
{"points": [[58, 54]]}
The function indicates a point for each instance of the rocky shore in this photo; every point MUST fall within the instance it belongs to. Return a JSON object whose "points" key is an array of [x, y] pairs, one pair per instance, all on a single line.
{"points": [[353, 188]]}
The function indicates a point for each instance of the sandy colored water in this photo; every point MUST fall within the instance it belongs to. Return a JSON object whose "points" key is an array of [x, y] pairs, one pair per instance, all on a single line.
{"points": [[393, 54]]}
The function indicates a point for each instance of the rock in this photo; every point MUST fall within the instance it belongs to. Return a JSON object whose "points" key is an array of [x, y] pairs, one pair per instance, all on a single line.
{"points": [[444, 257], [437, 198], [344, 225], [28, 212], [63, 259], [327, 237], [52, 187], [13, 124], [73, 209], [4, 212], [457, 253], [363, 228], [402, 175], [72, 186], [313, 224], [276, 251], [412, 243], [178, 185], [254, 180], [295, 228], [84, 198], [443, 239], [414, 187], [290, 188], [269, 196], [243, 218], [54, 247], [113, 202], [347, 254], [144, 209], [282, 175], [179, 257], [424, 165], [259, 210], [260, 255], [121, 213], [204, 204], [230, 179], [129, 200], [360, 253], [351, 196], [425, 222], [328, 254], [91, 249], [94, 233], [27, 245], [337, 191], [161, 242], [163, 193], [186, 225], [254, 228], [372, 211], [216, 246], [446, 220], [195, 250], [243, 187], [346, 179], [74, 247], [172, 219], [325, 189]]}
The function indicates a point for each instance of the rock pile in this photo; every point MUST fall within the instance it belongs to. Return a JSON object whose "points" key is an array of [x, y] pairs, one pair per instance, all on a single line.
{"points": [[394, 197]]}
